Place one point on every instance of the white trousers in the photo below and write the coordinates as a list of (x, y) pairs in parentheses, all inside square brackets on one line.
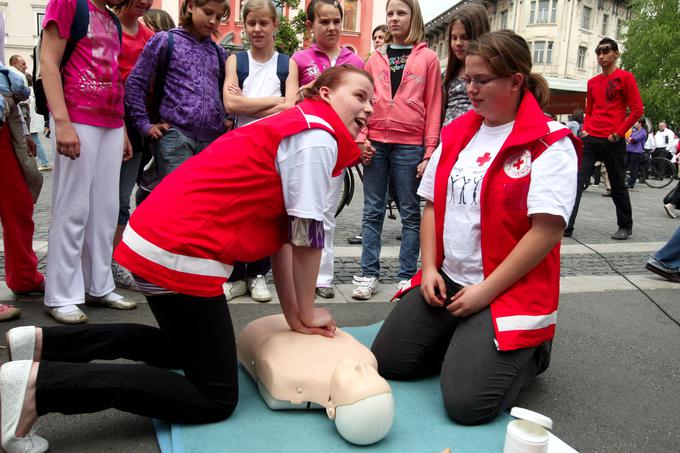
[(325, 278), (84, 217)]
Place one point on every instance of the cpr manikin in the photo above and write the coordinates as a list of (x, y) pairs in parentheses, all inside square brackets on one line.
[(297, 371)]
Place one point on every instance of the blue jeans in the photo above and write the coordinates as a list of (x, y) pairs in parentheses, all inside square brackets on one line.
[(42, 156), (129, 170), (173, 149), (396, 162), (669, 254)]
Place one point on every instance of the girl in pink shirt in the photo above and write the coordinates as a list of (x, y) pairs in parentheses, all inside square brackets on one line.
[(324, 22), (85, 98)]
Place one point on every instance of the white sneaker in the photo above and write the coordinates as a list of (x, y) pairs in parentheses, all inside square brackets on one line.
[(258, 289), (122, 277), (365, 287), (403, 284), (14, 377), (669, 210), (235, 289)]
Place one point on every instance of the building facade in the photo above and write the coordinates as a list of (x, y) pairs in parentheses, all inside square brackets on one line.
[(23, 24), (562, 35), (358, 22)]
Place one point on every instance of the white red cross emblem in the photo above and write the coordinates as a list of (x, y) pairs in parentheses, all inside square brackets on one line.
[(518, 165)]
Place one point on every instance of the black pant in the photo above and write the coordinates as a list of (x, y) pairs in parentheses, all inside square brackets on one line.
[(250, 270), (612, 155), (634, 168), (477, 380), (195, 335)]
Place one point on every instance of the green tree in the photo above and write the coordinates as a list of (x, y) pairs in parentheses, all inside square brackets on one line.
[(651, 53), (290, 32)]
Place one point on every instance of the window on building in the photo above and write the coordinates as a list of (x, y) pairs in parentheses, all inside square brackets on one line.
[(350, 15), (605, 24), (581, 57), (543, 52), (585, 17), (504, 20), (543, 11), (39, 16), (619, 28)]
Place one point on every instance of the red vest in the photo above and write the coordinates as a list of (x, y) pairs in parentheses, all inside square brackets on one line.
[(524, 315), (222, 205)]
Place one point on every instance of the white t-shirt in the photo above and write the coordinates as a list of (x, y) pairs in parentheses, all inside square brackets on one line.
[(262, 81), (552, 191), (664, 139), (305, 162)]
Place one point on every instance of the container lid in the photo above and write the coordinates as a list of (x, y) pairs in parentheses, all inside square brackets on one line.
[(534, 417)]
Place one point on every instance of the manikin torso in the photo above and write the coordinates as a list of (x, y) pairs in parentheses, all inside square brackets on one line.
[(294, 370)]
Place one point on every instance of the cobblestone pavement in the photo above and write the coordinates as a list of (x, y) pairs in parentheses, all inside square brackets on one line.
[(612, 364), (595, 223)]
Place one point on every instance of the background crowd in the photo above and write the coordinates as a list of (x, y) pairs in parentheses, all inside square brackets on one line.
[(158, 95)]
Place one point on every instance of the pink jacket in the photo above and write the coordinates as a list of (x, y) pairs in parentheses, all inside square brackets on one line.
[(413, 116)]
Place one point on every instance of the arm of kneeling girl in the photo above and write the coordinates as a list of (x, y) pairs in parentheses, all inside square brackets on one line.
[(545, 232), (432, 286), (282, 270)]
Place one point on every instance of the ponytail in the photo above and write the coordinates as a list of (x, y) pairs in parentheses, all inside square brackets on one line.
[(538, 86)]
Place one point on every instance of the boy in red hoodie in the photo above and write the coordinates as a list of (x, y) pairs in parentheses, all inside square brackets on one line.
[(609, 95)]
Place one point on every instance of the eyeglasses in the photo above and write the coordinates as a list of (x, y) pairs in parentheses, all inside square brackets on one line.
[(479, 81), (603, 50)]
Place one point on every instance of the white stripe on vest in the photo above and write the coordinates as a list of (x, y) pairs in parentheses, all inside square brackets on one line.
[(525, 322), (181, 263), (316, 119)]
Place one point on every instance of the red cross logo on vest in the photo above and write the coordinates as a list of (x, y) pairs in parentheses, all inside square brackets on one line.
[(518, 165), (481, 160)]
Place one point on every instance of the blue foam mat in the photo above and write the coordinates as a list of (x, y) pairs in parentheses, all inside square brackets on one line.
[(420, 424)]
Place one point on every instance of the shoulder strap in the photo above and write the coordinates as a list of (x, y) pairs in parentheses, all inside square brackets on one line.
[(221, 64), (282, 66), (119, 27), (79, 26), (242, 67)]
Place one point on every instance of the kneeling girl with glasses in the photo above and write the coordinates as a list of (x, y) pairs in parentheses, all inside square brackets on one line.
[(499, 192)]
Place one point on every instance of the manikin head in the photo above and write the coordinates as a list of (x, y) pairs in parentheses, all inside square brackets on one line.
[(361, 402)]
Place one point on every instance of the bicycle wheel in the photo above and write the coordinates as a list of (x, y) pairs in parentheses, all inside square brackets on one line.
[(347, 191), (659, 172)]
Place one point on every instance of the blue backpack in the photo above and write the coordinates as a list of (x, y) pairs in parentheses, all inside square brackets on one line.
[(243, 68), (79, 26)]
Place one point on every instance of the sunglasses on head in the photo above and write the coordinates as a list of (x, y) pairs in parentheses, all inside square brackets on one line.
[(603, 50)]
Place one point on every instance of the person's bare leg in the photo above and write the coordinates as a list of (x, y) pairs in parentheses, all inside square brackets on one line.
[(118, 235), (29, 413), (37, 352)]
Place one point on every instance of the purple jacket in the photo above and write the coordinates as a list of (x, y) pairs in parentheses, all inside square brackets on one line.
[(192, 101), (637, 140)]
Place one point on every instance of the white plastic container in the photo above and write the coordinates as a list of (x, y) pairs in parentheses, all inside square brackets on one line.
[(528, 434)]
